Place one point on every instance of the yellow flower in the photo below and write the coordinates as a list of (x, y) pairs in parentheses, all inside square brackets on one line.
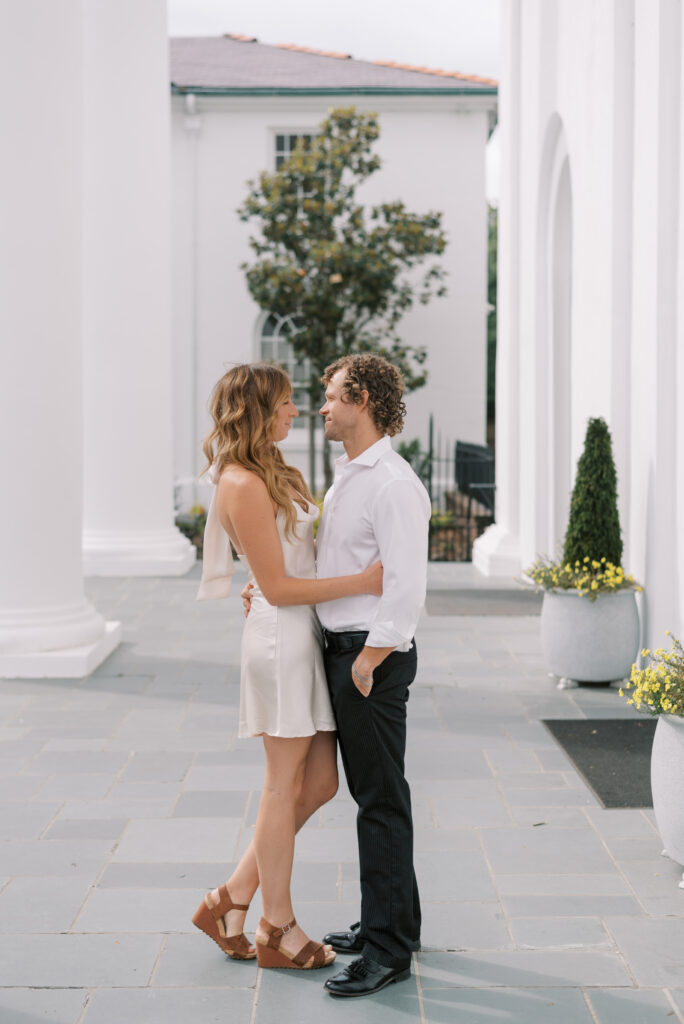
[(594, 585)]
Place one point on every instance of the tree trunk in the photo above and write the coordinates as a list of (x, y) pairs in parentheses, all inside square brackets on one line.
[(312, 444), (327, 464)]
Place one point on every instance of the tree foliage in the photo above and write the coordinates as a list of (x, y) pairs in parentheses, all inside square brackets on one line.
[(594, 523), (492, 244), (343, 272)]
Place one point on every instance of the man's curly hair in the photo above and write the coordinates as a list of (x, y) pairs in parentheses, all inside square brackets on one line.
[(382, 381)]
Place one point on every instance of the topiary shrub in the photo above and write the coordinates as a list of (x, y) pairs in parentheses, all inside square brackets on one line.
[(594, 523)]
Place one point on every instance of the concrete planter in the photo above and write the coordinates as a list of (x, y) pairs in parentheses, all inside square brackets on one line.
[(667, 784), (590, 641)]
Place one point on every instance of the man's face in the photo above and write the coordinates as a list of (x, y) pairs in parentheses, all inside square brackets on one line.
[(341, 415)]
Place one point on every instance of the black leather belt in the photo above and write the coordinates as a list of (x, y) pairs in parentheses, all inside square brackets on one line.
[(344, 641)]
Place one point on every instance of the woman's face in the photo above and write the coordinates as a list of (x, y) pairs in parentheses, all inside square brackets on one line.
[(285, 413)]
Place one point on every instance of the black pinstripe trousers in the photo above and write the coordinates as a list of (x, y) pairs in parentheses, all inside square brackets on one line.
[(372, 738)]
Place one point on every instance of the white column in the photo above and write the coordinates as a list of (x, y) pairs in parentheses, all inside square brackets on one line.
[(128, 501), (47, 627), (654, 471), (621, 256), (678, 625), (497, 551)]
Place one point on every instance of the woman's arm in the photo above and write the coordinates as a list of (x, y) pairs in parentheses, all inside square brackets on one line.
[(244, 504)]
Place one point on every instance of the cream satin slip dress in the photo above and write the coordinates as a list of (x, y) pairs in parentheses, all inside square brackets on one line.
[(283, 691)]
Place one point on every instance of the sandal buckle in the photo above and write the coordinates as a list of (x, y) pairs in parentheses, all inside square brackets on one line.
[(286, 928)]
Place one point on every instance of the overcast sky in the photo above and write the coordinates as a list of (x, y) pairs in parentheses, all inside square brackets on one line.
[(456, 35)]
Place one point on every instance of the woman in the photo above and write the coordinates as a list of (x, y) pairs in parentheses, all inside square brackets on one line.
[(264, 506)]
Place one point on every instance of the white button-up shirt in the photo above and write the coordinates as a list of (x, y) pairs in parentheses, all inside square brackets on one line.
[(376, 509)]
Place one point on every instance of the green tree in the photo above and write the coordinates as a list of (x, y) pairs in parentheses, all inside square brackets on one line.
[(341, 271), (492, 225), (594, 523)]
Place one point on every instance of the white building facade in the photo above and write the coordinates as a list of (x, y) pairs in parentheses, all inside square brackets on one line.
[(237, 106), (591, 258)]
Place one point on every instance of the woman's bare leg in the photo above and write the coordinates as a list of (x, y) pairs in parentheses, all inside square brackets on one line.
[(318, 787), (274, 835), (275, 826)]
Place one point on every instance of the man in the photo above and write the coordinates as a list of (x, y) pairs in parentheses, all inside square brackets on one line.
[(376, 508)]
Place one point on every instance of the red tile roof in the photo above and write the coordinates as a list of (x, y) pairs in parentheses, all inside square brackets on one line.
[(436, 71), (308, 49)]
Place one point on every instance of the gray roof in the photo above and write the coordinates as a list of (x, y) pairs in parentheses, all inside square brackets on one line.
[(239, 64)]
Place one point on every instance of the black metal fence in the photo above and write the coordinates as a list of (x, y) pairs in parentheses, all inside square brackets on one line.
[(460, 479)]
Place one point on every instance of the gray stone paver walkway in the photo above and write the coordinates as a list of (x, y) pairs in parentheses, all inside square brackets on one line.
[(126, 795)]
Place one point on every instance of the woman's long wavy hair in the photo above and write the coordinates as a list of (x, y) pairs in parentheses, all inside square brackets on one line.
[(243, 406)]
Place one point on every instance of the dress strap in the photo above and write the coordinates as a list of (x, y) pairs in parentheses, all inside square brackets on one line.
[(217, 562)]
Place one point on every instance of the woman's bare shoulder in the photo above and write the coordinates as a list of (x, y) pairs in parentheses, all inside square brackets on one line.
[(241, 482)]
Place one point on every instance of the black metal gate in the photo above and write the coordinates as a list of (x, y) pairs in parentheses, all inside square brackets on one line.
[(460, 479)]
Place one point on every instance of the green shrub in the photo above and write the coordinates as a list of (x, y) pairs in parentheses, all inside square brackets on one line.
[(594, 525)]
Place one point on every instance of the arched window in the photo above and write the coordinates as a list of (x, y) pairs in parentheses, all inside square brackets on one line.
[(275, 347)]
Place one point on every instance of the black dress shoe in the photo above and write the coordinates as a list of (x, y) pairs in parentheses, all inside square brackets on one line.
[(346, 942), (362, 977), (349, 942)]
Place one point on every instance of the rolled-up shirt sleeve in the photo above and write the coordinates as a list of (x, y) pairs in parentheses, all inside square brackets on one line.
[(401, 516)]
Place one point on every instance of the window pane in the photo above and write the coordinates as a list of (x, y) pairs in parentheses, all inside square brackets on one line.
[(275, 347), (293, 141), (284, 352), (280, 160), (269, 326), (301, 400), (280, 142)]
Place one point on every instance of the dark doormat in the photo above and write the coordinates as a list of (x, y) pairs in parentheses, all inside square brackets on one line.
[(483, 601), (613, 755)]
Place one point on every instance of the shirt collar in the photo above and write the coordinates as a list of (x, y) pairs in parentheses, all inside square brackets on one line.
[(368, 457)]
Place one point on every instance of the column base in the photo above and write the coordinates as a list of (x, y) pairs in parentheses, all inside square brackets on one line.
[(68, 663), (153, 553), (497, 552)]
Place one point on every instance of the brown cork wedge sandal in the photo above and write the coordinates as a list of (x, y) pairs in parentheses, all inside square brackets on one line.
[(209, 919), (310, 957)]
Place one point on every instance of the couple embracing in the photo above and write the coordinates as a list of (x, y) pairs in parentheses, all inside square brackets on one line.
[(327, 655)]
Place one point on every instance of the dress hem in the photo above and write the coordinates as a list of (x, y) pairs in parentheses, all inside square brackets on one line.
[(286, 735)]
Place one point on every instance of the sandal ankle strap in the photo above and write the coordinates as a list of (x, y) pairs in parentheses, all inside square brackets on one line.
[(225, 903), (275, 932)]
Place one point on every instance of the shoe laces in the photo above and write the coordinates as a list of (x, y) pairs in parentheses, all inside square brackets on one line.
[(359, 968)]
